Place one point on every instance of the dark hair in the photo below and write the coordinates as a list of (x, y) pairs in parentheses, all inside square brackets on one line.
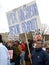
[(1, 38), (31, 41), (17, 41)]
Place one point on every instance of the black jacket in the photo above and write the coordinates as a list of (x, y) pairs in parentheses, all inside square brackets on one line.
[(40, 57)]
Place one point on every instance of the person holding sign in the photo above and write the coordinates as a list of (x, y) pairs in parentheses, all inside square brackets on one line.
[(27, 57), (39, 56)]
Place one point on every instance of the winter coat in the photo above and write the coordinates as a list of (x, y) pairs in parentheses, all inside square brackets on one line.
[(16, 52), (40, 57), (4, 56)]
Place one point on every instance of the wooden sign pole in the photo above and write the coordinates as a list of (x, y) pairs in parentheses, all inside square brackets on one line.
[(28, 46)]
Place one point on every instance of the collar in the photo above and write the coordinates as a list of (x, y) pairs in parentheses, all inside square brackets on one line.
[(38, 49)]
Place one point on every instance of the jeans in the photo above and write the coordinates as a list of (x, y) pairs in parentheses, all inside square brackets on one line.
[(22, 58), (17, 61)]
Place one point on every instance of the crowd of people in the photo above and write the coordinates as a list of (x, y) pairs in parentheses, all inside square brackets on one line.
[(39, 52)]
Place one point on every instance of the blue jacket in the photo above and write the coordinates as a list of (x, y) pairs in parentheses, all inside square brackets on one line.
[(40, 57), (4, 56)]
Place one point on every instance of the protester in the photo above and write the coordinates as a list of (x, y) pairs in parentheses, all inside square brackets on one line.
[(27, 59), (47, 48), (4, 56), (10, 49), (16, 52), (39, 56), (23, 53)]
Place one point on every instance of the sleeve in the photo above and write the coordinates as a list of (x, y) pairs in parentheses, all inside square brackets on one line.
[(20, 50), (8, 58), (46, 58), (0, 57), (8, 62)]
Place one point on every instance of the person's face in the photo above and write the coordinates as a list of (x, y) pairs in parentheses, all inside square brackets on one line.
[(10, 44), (16, 43), (47, 49), (38, 44)]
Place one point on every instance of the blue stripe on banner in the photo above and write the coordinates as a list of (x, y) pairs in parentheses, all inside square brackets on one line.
[(29, 25), (14, 30)]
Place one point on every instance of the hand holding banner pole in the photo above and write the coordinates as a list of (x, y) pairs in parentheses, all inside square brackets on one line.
[(28, 47)]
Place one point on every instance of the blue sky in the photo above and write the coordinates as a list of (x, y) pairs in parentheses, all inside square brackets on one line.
[(7, 5)]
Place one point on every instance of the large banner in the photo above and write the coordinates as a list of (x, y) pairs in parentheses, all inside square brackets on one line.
[(23, 19)]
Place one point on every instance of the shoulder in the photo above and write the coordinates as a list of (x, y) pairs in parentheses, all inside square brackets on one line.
[(33, 51), (45, 54), (2, 47)]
